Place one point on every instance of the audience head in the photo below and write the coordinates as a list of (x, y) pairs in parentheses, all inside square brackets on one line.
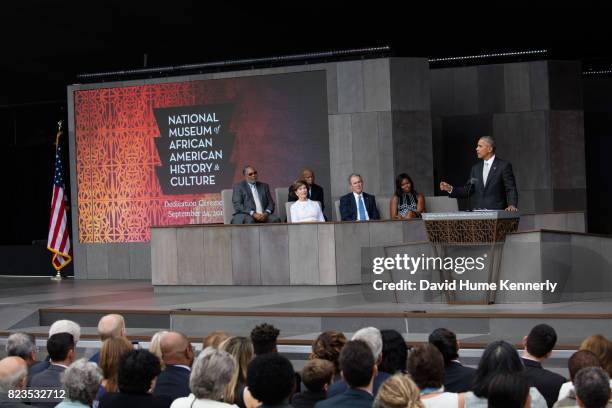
[(581, 359), (270, 378), (445, 341), (372, 337), (318, 374), (22, 345), (602, 348), (61, 348), (508, 390), (214, 339), (241, 349), (81, 381), (212, 371), (112, 351), (137, 371), (264, 337), (357, 364), (308, 176), (498, 358), (328, 346), (394, 352), (398, 391), (404, 185), (356, 183), (111, 325), (155, 345), (66, 326), (426, 366), (249, 173), (540, 341), (592, 385), (13, 373), (176, 349)]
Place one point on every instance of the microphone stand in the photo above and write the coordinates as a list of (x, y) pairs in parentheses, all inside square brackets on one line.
[(470, 184)]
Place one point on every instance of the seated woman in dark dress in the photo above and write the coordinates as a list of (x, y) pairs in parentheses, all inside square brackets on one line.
[(406, 201)]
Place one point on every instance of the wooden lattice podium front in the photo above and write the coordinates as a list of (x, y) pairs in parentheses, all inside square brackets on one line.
[(469, 229)]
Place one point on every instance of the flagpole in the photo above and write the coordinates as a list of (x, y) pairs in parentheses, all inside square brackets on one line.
[(58, 275)]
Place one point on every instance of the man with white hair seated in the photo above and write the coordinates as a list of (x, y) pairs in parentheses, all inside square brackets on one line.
[(22, 345), (60, 326), (372, 337), (13, 376), (109, 326), (81, 381)]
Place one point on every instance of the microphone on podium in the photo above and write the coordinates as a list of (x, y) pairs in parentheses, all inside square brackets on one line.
[(471, 182)]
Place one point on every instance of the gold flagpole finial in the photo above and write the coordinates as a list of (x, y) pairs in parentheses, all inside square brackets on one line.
[(60, 123)]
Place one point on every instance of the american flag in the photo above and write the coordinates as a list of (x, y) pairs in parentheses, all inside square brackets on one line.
[(58, 241)]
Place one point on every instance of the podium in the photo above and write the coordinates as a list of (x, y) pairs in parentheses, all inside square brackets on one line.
[(473, 228)]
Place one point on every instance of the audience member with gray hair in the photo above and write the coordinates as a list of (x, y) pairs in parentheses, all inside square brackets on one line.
[(22, 345), (81, 381), (592, 386), (211, 373), (13, 376), (373, 338)]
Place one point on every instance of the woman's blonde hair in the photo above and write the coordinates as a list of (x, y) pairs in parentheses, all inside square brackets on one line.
[(155, 346), (241, 349), (398, 391), (110, 354), (602, 348)]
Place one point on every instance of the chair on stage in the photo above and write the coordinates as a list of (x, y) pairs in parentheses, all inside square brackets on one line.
[(288, 205), (440, 204), (281, 196), (228, 207)]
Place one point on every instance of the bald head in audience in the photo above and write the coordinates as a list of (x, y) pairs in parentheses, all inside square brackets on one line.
[(111, 326), (176, 349), (13, 373)]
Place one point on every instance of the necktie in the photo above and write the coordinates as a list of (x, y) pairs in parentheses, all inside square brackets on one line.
[(258, 207), (485, 173), (361, 211)]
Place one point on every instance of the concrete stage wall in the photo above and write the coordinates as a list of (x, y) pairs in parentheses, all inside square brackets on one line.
[(325, 254)]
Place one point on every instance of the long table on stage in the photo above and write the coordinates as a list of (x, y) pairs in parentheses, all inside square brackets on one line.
[(271, 254)]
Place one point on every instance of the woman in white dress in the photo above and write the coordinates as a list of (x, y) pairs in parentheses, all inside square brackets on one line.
[(304, 209)]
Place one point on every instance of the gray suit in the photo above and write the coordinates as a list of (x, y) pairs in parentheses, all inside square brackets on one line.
[(244, 203)]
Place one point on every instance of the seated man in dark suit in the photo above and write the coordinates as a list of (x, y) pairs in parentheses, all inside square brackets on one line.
[(271, 380), (315, 191), (491, 185), (538, 347), (357, 205), (252, 200), (61, 349), (177, 354), (457, 377), (358, 369)]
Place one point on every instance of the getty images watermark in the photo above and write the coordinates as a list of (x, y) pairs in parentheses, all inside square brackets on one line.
[(457, 265)]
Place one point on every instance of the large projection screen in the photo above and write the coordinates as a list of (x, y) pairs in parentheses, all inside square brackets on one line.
[(160, 153)]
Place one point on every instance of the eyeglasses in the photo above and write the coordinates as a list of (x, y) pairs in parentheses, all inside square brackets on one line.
[(252, 174)]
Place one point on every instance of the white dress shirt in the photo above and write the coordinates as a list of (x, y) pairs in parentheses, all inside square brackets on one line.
[(486, 168), (357, 197), (258, 206)]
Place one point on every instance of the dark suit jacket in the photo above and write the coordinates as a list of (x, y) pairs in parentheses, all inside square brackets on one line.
[(316, 194), (123, 400), (37, 368), (547, 382), (340, 387), (173, 382), (348, 207), (351, 398), (499, 192), (457, 377), (48, 379), (243, 201), (307, 399)]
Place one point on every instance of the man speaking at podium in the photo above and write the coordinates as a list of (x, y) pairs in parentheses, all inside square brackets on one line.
[(491, 185)]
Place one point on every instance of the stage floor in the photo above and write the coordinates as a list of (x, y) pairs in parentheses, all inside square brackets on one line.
[(30, 304)]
